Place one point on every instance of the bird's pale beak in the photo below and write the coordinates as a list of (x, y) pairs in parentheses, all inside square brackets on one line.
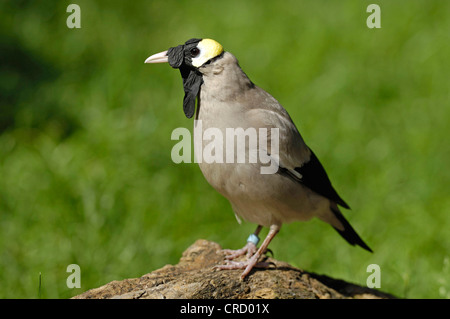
[(160, 57)]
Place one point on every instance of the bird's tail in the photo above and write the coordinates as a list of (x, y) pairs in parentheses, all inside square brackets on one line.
[(348, 233)]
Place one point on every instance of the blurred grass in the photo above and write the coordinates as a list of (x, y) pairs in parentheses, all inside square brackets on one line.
[(85, 169)]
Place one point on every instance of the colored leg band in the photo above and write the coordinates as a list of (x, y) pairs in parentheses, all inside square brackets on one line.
[(253, 239)]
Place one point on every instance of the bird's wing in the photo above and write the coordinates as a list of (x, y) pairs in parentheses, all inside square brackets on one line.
[(313, 175), (295, 158)]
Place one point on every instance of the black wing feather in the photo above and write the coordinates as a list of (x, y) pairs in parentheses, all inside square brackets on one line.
[(349, 234), (315, 178)]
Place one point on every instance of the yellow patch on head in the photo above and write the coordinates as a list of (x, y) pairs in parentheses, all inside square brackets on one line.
[(209, 49), (212, 46)]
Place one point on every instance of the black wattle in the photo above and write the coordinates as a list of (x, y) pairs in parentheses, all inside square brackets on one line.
[(179, 58), (191, 85), (176, 56)]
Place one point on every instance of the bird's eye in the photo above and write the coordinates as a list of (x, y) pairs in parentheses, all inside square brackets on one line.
[(195, 52)]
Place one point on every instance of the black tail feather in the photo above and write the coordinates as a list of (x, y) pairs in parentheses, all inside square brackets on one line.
[(349, 234)]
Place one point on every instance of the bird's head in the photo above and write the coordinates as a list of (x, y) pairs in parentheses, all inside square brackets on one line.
[(189, 58)]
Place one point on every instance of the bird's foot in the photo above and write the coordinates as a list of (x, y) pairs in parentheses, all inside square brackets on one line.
[(247, 265), (249, 249), (252, 253)]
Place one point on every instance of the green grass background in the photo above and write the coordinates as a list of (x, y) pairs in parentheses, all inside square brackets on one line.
[(86, 175)]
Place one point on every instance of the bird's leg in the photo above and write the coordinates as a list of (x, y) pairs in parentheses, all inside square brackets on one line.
[(253, 260), (249, 249)]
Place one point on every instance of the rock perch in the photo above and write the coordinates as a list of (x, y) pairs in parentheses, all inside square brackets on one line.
[(195, 278)]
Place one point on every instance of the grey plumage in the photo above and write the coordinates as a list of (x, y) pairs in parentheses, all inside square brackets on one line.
[(299, 190)]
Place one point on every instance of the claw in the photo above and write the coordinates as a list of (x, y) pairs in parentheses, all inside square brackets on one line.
[(268, 250)]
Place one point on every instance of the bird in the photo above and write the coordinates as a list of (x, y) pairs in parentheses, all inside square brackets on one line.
[(221, 96)]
